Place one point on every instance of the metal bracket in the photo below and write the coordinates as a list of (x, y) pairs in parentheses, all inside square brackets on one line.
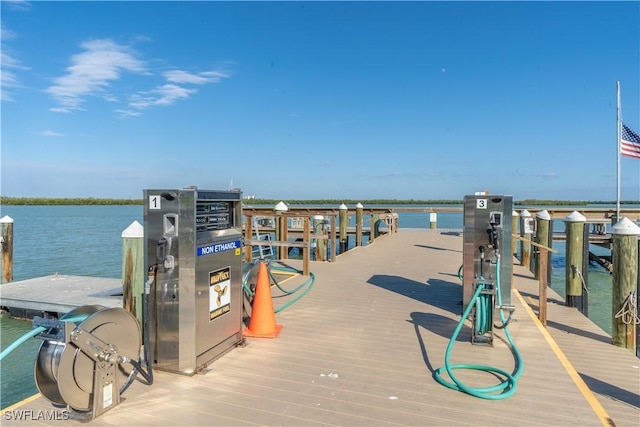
[(106, 389), (57, 330), (98, 350)]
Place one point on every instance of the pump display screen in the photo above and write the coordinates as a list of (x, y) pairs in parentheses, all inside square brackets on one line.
[(213, 215)]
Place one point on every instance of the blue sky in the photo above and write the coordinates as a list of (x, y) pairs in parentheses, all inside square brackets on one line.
[(311, 100)]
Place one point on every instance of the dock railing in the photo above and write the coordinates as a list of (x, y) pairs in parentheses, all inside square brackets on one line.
[(315, 236), (543, 279), (282, 237)]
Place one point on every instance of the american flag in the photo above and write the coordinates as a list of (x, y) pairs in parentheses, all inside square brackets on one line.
[(629, 143)]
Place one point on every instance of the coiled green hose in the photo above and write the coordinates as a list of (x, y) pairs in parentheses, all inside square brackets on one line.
[(507, 387)]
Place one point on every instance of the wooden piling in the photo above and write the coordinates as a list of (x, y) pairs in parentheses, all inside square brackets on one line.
[(6, 240), (585, 269), (515, 220), (133, 269), (359, 208), (574, 225), (433, 220), (544, 279), (543, 284), (278, 231), (373, 228), (248, 231), (344, 219), (281, 229), (332, 238), (526, 233), (542, 237), (321, 244), (624, 254), (306, 250), (284, 236)]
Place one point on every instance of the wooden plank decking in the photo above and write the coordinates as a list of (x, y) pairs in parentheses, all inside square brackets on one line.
[(361, 347)]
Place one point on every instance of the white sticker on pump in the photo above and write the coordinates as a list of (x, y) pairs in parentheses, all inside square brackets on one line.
[(481, 204), (154, 201), (107, 395)]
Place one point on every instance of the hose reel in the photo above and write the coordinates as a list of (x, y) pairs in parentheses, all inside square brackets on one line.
[(87, 358)]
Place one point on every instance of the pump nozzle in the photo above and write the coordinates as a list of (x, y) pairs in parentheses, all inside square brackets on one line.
[(493, 236)]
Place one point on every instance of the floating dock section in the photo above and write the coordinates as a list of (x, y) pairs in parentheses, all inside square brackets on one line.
[(52, 296)]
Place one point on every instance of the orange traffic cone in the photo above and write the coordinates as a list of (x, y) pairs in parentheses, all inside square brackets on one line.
[(263, 317)]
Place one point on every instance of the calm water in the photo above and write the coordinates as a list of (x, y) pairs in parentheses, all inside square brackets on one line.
[(86, 241), (73, 240)]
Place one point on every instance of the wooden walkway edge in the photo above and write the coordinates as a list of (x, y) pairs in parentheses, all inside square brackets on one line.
[(361, 347)]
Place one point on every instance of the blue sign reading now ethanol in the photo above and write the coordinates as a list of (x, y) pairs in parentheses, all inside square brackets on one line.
[(218, 247)]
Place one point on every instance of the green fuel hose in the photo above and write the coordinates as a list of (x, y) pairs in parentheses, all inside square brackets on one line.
[(508, 386), (32, 333), (17, 343), (304, 287)]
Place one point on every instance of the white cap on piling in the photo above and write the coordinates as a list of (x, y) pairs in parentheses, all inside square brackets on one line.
[(342, 206), (281, 207), (515, 213), (135, 229), (544, 214), (6, 220), (525, 213), (318, 217), (575, 216), (625, 227), (359, 206)]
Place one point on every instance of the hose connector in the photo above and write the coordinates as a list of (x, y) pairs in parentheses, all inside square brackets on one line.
[(151, 277), (511, 309)]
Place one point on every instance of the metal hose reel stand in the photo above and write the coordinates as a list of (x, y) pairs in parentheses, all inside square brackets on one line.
[(83, 360)]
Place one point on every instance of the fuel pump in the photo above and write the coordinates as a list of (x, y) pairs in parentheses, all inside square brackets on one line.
[(486, 292), (193, 238), (485, 232)]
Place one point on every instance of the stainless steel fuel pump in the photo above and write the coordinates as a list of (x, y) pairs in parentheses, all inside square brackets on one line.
[(487, 230)]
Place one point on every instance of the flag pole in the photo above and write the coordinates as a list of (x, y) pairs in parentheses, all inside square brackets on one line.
[(618, 153)]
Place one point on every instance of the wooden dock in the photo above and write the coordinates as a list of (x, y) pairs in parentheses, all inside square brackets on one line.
[(361, 347)]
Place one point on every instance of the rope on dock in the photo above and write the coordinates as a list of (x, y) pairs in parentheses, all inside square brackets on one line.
[(584, 284), (628, 313)]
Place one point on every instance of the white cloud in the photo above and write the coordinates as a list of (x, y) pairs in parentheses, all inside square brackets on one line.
[(91, 72), (62, 110), (7, 79), (103, 62), (18, 4), (51, 133), (128, 113), (5, 33), (8, 76), (161, 96), (172, 92), (179, 76)]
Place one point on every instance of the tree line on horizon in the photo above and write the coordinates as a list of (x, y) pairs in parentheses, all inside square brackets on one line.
[(45, 201)]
